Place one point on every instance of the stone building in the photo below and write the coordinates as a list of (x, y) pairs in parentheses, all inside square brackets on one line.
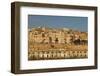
[(51, 43), (46, 35)]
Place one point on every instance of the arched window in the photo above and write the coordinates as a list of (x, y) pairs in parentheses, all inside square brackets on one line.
[(56, 40), (43, 35), (50, 40)]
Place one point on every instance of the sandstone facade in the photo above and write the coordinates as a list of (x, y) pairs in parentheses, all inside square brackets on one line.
[(50, 43), (47, 35)]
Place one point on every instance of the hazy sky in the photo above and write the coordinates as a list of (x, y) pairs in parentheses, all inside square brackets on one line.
[(73, 22)]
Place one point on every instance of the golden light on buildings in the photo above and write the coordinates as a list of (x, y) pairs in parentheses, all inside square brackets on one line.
[(49, 43)]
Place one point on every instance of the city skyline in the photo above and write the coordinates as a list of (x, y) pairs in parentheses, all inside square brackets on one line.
[(72, 22)]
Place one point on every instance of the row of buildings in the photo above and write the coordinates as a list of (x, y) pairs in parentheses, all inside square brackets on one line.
[(50, 35), (52, 43)]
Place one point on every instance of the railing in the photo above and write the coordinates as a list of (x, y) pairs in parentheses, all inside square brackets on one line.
[(56, 54)]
